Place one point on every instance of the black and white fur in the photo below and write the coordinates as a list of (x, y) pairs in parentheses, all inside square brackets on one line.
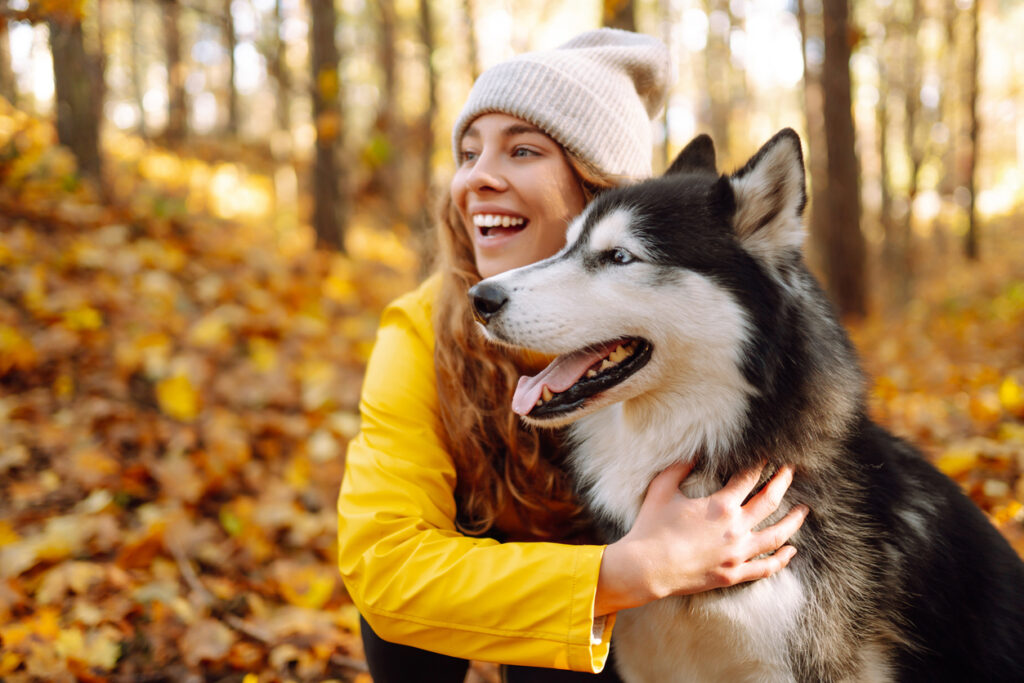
[(898, 576)]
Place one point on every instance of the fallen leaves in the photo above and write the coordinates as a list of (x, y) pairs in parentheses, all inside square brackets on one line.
[(176, 393)]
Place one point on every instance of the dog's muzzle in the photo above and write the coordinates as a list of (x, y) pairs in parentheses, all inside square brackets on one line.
[(487, 300)]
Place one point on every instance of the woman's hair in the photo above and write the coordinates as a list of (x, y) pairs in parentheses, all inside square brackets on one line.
[(502, 467)]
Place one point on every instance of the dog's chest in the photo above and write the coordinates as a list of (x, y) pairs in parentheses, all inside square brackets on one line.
[(736, 635)]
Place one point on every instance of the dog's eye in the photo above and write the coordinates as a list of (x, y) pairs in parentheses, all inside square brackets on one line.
[(620, 256)]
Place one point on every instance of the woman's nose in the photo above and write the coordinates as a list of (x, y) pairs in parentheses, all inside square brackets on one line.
[(486, 174)]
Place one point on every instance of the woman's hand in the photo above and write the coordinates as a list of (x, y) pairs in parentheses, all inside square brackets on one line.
[(681, 545)]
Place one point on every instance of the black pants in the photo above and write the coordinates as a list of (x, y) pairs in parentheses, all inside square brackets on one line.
[(393, 663)]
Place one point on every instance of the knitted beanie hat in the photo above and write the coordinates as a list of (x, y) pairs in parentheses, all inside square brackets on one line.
[(594, 95)]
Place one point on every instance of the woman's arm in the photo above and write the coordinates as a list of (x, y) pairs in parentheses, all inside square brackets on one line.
[(680, 545), (412, 575)]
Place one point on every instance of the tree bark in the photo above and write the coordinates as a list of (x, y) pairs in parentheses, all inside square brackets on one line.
[(77, 98), (231, 42), (971, 247), (817, 158), (619, 14), (469, 25), (177, 109), (845, 248), (329, 212), (279, 71), (8, 84), (137, 70), (429, 116), (715, 113)]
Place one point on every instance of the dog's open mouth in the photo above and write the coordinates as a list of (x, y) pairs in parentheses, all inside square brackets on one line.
[(569, 380)]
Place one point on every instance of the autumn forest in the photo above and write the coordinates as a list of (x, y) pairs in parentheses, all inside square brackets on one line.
[(206, 204)]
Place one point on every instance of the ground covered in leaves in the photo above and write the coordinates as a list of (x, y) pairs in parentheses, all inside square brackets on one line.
[(176, 392)]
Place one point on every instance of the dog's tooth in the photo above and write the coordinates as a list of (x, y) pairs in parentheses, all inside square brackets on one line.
[(546, 394), (605, 364), (618, 354), (591, 373)]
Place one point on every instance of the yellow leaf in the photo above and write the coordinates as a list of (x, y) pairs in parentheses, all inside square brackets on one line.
[(308, 586), (210, 330), (178, 398), (7, 533), (1011, 395), (263, 354), (347, 617), (84, 318), (957, 461), (15, 350)]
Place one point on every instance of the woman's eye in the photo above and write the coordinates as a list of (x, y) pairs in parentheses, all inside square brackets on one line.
[(620, 256), (523, 152), (467, 155)]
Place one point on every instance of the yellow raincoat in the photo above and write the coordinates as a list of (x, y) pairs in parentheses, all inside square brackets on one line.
[(413, 576)]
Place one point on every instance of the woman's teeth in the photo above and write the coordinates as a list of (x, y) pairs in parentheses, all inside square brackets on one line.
[(489, 220)]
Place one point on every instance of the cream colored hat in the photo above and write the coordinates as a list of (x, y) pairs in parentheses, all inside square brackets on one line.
[(594, 95)]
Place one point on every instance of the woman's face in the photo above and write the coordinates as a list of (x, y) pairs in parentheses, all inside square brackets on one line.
[(515, 191)]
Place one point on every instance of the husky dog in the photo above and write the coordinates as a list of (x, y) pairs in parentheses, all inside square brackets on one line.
[(689, 328)]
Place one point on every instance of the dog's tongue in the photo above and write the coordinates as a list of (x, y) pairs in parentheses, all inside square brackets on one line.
[(558, 376)]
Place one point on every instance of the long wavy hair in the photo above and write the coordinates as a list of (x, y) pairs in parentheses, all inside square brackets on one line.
[(509, 477)]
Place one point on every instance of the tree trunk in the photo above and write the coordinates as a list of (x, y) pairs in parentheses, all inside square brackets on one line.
[(427, 124), (717, 77), (77, 95), (817, 159), (469, 26), (846, 251), (329, 212), (619, 14), (231, 42), (971, 248), (903, 274), (279, 71), (137, 70), (386, 136), (8, 84), (177, 109)]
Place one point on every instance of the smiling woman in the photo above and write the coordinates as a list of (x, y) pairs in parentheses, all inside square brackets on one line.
[(515, 192), (460, 536)]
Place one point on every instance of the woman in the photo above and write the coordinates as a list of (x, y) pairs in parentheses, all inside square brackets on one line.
[(458, 532)]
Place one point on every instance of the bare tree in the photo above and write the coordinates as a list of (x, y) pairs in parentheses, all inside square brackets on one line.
[(469, 24), (619, 14), (8, 86), (78, 93), (971, 241), (137, 68), (230, 43), (430, 114), (279, 71), (845, 255), (329, 211), (177, 109), (814, 112)]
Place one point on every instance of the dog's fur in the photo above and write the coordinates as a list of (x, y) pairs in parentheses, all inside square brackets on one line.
[(898, 576)]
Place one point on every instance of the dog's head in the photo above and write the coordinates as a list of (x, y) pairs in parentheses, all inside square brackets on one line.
[(650, 293)]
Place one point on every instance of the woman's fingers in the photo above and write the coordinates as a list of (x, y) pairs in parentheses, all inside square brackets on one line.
[(742, 483), (666, 484), (763, 567), (773, 537), (768, 499)]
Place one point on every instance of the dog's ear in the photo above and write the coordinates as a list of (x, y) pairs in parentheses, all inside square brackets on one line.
[(770, 198), (699, 155)]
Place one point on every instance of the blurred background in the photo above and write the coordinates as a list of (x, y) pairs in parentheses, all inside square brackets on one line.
[(204, 205)]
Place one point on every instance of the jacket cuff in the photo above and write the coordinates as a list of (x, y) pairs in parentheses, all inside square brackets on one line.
[(590, 638)]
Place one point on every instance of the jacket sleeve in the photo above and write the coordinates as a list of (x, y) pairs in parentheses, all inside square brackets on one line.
[(413, 576)]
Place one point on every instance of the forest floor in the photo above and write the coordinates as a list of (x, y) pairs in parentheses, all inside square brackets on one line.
[(176, 392)]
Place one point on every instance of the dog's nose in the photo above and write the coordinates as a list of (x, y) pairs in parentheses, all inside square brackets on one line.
[(487, 300)]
